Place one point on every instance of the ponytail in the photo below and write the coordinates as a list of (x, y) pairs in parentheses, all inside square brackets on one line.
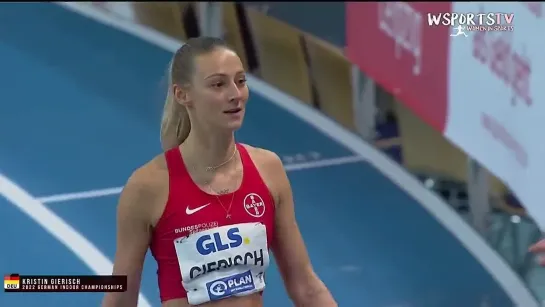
[(175, 123)]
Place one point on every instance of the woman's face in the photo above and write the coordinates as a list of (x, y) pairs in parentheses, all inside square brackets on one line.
[(218, 95)]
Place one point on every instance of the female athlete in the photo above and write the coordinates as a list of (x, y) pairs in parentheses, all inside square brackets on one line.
[(210, 209)]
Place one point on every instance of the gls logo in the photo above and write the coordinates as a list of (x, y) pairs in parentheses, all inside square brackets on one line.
[(210, 244)]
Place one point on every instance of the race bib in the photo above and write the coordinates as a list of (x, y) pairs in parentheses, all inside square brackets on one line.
[(222, 262)]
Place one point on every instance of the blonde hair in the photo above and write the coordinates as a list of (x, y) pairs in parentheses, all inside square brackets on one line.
[(175, 123)]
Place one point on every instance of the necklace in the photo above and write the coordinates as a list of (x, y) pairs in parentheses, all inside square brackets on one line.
[(217, 195), (212, 168), (228, 209), (223, 191)]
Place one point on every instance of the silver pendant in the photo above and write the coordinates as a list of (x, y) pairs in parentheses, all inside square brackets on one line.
[(228, 216)]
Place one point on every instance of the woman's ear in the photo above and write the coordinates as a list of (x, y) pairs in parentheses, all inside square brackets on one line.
[(182, 94)]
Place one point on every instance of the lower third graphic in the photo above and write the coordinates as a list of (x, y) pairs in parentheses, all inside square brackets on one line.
[(231, 285)]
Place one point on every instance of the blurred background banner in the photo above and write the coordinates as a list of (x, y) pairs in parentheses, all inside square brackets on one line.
[(384, 37), (479, 91), (495, 90)]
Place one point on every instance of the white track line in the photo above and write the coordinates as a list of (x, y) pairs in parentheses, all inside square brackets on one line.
[(57, 198), (84, 249), (323, 163)]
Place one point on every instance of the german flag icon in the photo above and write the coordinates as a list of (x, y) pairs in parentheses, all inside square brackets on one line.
[(11, 282)]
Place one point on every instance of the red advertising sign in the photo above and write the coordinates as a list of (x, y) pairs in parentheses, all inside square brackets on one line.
[(392, 43)]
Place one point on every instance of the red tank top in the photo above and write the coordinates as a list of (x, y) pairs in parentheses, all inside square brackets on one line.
[(189, 210)]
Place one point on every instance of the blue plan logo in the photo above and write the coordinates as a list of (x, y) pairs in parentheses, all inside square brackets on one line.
[(231, 285)]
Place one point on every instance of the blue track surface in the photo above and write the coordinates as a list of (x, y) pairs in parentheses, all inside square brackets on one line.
[(79, 110)]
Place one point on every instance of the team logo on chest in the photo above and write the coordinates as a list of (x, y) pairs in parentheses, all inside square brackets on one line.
[(254, 205)]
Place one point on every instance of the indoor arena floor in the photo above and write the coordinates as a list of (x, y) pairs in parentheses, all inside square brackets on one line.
[(80, 107)]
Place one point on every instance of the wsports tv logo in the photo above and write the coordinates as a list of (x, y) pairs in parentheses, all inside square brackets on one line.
[(473, 21)]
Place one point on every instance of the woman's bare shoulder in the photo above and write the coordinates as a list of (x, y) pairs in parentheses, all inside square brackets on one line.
[(263, 158), (270, 168), (148, 182), (151, 174)]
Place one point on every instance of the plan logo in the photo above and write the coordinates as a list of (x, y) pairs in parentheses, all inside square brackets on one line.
[(463, 23), (231, 285)]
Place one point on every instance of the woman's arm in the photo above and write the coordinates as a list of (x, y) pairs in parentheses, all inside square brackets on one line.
[(302, 284), (133, 236)]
